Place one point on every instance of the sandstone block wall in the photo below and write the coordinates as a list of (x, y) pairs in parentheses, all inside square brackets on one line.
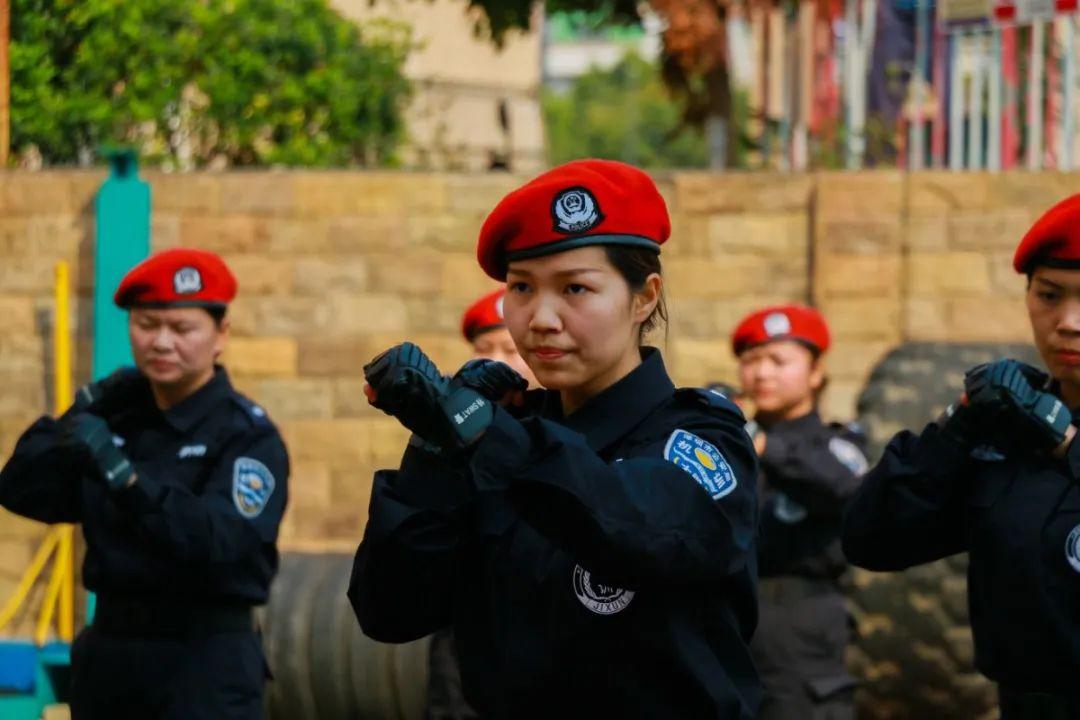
[(336, 266)]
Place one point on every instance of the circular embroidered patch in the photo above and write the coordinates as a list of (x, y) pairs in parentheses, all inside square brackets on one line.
[(1072, 548), (575, 210), (600, 598)]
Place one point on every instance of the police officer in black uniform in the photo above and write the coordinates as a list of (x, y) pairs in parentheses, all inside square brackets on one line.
[(180, 484), (809, 469), (593, 547), (998, 476)]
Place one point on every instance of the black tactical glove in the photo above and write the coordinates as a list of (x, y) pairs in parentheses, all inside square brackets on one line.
[(494, 380), (94, 435), (92, 393), (1006, 389), (404, 383), (961, 424)]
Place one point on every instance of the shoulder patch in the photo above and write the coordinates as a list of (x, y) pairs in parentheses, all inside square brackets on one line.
[(253, 484), (849, 455), (703, 461)]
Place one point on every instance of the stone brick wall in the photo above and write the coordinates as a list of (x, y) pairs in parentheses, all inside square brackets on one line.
[(336, 266)]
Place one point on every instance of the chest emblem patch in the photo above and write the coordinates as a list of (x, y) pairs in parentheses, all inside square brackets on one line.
[(1072, 548), (703, 461), (253, 484), (787, 510), (596, 596)]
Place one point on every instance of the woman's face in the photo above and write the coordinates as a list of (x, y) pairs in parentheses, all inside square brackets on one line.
[(1053, 304), (781, 378), (498, 345), (574, 319), (176, 347)]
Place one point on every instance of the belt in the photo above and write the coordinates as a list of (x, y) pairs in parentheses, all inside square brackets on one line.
[(147, 617), (789, 588), (1020, 705)]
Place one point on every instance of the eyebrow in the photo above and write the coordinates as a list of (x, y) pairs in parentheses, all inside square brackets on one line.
[(1051, 283)]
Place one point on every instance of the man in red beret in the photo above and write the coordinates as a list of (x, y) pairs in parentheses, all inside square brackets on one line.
[(996, 477), (180, 484), (809, 469)]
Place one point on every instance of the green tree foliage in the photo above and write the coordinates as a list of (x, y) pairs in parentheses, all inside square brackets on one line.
[(622, 114), (206, 82)]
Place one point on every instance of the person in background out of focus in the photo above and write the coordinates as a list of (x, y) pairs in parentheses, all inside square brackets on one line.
[(809, 469), (484, 328)]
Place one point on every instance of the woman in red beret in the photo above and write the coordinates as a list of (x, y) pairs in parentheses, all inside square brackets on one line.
[(809, 469), (997, 477), (593, 544), (179, 482)]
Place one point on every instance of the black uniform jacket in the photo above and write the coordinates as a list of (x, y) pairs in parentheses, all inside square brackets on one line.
[(201, 521), (598, 563), (809, 470), (1017, 516)]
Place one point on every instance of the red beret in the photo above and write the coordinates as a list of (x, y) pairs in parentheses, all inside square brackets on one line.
[(585, 202), (182, 277), (1054, 239), (782, 322), (484, 314)]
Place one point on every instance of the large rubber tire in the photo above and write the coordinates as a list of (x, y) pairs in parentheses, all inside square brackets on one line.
[(324, 666), (289, 635), (331, 623), (914, 653)]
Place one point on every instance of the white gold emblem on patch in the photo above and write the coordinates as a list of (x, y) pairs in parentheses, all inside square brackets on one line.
[(253, 484), (596, 596), (575, 210), (187, 281), (777, 324), (703, 461), (1072, 548)]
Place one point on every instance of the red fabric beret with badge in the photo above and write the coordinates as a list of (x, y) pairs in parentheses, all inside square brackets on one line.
[(782, 322), (484, 314), (581, 203), (181, 277), (1053, 240)]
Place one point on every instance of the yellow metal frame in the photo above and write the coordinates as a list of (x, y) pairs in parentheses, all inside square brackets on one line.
[(60, 591)]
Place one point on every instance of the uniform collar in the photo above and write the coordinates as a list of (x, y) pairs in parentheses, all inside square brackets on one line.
[(803, 422), (616, 411), (187, 413)]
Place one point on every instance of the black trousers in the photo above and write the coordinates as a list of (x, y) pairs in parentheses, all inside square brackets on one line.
[(219, 676), (799, 646)]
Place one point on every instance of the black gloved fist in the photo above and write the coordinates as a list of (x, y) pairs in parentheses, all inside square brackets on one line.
[(962, 424), (492, 379), (94, 435), (1008, 389), (119, 381), (404, 383)]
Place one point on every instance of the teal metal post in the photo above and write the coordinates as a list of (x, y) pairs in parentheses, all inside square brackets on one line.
[(122, 241)]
